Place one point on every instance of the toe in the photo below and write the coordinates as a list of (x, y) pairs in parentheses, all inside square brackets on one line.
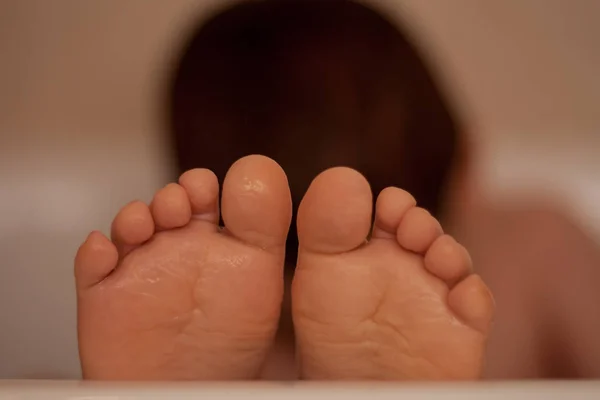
[(472, 302), (95, 259), (256, 203), (171, 207), (448, 260), (392, 204), (418, 230), (335, 213), (132, 226), (202, 187)]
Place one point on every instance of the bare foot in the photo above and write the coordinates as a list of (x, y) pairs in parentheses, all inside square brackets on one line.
[(403, 306), (173, 296)]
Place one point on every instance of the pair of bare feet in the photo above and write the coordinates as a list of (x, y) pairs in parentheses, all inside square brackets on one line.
[(173, 296)]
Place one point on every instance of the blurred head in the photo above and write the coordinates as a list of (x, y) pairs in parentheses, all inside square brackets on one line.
[(312, 84)]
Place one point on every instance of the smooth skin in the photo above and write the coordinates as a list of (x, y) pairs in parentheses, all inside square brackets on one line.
[(402, 306), (173, 296)]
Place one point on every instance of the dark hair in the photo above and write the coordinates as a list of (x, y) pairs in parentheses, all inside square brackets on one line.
[(312, 84)]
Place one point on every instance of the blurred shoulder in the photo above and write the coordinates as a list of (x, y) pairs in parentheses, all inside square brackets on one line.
[(541, 230), (543, 268)]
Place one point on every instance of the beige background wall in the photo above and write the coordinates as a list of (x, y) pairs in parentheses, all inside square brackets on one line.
[(80, 127)]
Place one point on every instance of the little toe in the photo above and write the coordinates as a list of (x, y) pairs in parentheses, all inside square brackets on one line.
[(95, 259), (256, 203), (132, 226), (202, 187), (473, 303), (392, 204), (335, 213), (418, 230), (171, 207), (448, 260)]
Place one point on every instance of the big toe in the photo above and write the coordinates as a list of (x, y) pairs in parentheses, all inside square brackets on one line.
[(256, 202), (335, 214)]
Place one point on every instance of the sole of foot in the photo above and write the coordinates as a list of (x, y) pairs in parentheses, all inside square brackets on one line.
[(403, 305), (173, 296)]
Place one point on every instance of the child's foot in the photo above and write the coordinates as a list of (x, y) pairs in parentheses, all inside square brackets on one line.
[(402, 306), (173, 296)]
